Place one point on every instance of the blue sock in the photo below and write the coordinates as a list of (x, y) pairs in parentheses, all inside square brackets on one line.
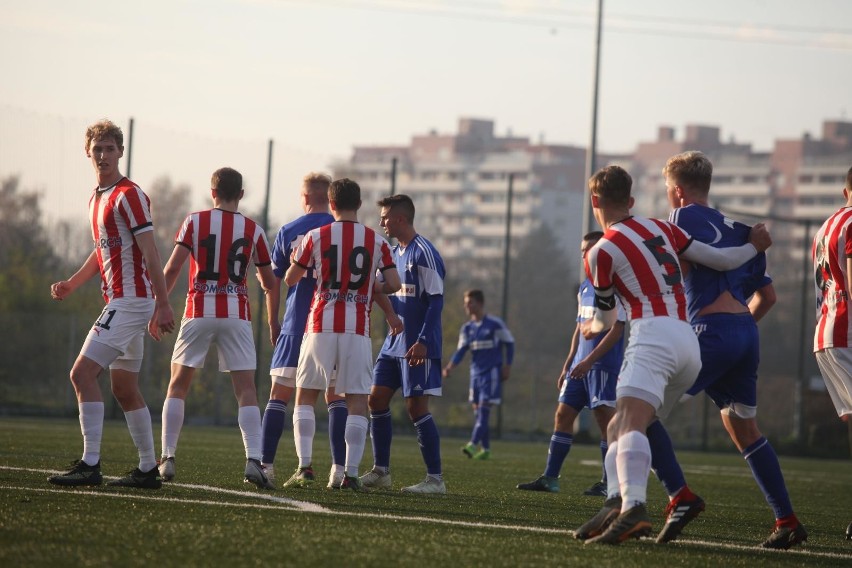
[(430, 443), (604, 448), (560, 445), (381, 434), (337, 414), (766, 470), (481, 432), (663, 459), (272, 426)]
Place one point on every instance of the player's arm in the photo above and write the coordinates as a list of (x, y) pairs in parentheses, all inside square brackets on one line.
[(762, 301), (391, 282), (273, 304), (458, 355), (62, 289), (163, 319), (848, 283), (394, 321), (172, 270), (575, 342), (416, 354), (294, 274), (606, 313), (506, 369), (609, 340), (723, 259)]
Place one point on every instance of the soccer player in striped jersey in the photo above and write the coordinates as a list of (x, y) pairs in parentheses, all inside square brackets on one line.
[(336, 351), (487, 337), (724, 308), (832, 258), (637, 260), (219, 243), (587, 380), (410, 360), (125, 255)]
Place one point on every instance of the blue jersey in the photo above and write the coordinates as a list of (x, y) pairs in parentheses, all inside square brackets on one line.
[(611, 360), (298, 302), (420, 300), (486, 340), (703, 284)]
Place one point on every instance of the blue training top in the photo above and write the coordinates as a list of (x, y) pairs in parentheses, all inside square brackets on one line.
[(486, 340), (420, 300), (703, 285), (299, 296)]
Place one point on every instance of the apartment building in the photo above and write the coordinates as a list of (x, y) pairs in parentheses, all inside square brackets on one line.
[(460, 186)]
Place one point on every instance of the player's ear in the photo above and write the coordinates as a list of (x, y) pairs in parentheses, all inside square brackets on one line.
[(595, 201), (630, 202)]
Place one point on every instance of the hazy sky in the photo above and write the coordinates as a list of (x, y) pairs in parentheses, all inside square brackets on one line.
[(209, 81)]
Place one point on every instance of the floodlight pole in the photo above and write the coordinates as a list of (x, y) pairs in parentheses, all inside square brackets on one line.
[(261, 297), (591, 152), (506, 261)]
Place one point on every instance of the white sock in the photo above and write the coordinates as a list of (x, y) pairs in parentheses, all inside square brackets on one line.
[(92, 427), (634, 466), (356, 439), (139, 424), (304, 428), (248, 418), (612, 488), (172, 424)]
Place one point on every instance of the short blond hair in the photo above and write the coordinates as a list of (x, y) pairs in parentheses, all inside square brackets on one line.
[(104, 129), (691, 170)]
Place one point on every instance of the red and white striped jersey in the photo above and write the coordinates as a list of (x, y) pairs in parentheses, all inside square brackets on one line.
[(639, 257), (832, 246), (346, 256), (222, 245), (117, 214)]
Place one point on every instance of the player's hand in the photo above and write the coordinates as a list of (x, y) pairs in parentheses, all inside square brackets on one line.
[(163, 321), (586, 330), (445, 372), (416, 355), (505, 370), (560, 381), (395, 324), (759, 237), (60, 290), (580, 370), (274, 332)]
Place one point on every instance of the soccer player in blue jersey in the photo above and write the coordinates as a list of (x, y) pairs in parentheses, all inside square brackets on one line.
[(487, 337), (587, 379), (724, 308), (286, 336), (410, 360)]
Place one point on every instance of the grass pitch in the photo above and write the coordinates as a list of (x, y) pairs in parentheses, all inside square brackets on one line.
[(208, 517)]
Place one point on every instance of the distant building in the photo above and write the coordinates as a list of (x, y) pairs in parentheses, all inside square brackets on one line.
[(459, 183), (797, 183)]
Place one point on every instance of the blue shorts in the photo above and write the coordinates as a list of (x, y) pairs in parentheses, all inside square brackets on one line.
[(395, 372), (730, 354), (486, 387), (597, 388), (285, 356)]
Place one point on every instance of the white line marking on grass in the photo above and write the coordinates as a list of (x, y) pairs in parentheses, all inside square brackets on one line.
[(307, 507), (299, 505)]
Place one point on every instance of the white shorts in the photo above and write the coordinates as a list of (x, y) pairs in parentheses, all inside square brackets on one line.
[(350, 353), (835, 364), (233, 339), (661, 362), (116, 339)]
